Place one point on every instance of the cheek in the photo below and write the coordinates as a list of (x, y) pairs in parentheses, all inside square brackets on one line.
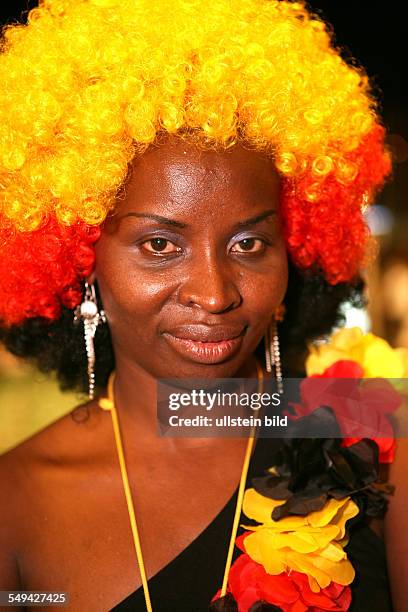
[(265, 291), (132, 296)]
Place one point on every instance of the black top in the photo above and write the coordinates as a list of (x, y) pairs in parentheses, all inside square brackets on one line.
[(190, 581)]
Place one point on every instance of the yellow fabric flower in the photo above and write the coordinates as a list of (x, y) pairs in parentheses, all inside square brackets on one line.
[(374, 354), (311, 544)]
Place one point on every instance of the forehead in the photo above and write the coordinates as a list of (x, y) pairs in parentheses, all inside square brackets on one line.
[(176, 177)]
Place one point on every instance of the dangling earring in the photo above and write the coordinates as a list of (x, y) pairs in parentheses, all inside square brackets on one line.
[(88, 313), (272, 351)]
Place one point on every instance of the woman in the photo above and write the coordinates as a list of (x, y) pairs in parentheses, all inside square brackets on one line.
[(173, 156)]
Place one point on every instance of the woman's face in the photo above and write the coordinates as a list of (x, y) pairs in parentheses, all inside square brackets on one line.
[(193, 263)]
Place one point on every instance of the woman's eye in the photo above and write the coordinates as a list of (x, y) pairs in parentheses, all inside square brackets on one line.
[(160, 246), (248, 245)]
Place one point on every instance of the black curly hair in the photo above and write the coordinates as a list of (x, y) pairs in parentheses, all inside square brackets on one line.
[(313, 308)]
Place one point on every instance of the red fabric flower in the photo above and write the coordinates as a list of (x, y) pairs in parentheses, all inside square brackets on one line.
[(250, 583), (360, 406)]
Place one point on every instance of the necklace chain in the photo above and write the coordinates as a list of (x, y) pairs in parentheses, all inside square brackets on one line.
[(108, 403)]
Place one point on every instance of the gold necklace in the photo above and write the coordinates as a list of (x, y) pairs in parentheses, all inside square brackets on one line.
[(108, 403)]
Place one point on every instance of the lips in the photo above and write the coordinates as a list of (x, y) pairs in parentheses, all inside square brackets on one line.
[(206, 344), (207, 333)]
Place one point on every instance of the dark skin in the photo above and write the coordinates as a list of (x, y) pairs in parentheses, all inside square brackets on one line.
[(221, 262)]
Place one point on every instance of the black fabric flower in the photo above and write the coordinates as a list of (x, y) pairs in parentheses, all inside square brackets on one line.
[(224, 604), (264, 606), (307, 471), (228, 604)]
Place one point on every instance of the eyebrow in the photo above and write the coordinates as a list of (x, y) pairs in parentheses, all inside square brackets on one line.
[(158, 218), (254, 220), (173, 223)]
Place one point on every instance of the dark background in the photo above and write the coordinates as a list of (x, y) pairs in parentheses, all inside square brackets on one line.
[(372, 34)]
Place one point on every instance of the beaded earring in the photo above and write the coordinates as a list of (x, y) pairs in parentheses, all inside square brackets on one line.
[(272, 350), (91, 316)]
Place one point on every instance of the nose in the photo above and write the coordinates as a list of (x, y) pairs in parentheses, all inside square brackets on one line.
[(210, 286)]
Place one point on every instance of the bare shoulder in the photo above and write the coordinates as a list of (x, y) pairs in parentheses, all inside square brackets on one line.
[(30, 474), (55, 442), (63, 444)]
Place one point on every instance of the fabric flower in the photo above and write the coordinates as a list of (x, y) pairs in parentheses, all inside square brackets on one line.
[(307, 471), (253, 589), (223, 604), (373, 354), (311, 544), (361, 406)]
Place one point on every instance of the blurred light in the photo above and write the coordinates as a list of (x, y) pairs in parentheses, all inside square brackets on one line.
[(379, 219), (355, 317)]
